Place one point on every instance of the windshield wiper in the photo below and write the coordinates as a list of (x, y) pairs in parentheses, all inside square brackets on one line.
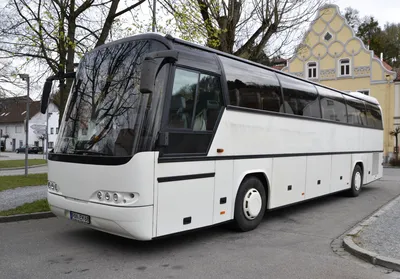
[(88, 152)]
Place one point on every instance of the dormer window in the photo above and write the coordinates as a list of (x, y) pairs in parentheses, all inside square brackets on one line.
[(312, 70), (344, 67), (328, 36)]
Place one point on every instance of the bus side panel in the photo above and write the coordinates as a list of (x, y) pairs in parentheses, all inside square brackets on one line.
[(318, 176), (223, 194), (341, 176), (185, 198), (249, 166), (359, 158), (288, 181)]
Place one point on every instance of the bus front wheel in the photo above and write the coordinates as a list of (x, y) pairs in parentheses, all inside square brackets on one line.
[(250, 204), (356, 182)]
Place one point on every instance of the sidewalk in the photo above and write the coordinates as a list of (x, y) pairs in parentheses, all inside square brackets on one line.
[(15, 197), (377, 239)]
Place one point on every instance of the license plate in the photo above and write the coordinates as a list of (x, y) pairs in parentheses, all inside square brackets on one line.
[(82, 218)]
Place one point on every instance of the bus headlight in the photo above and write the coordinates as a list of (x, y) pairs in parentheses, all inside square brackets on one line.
[(52, 186), (116, 198), (107, 196)]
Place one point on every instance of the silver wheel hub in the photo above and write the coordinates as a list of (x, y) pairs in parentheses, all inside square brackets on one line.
[(357, 181), (252, 204)]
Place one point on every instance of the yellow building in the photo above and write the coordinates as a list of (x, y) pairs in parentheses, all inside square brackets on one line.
[(332, 55)]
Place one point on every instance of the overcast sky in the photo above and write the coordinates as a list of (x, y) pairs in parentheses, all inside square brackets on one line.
[(382, 10)]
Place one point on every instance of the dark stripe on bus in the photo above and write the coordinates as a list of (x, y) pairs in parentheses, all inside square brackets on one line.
[(256, 156), (280, 114), (185, 177)]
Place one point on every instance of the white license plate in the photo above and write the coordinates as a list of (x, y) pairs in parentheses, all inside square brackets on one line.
[(82, 218)]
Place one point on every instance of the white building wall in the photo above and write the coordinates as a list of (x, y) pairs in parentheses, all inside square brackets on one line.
[(18, 134), (396, 103)]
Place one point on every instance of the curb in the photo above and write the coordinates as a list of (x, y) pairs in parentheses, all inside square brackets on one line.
[(23, 217), (368, 256), (21, 168)]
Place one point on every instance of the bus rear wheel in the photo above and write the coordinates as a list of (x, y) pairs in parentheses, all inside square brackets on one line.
[(250, 204), (356, 182)]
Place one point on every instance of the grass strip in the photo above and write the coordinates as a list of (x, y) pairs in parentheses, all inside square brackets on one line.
[(20, 163), (32, 207), (15, 181)]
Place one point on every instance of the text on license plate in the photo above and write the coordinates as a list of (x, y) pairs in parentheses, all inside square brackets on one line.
[(82, 218)]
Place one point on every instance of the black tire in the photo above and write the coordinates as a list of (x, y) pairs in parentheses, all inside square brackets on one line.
[(354, 191), (241, 222), (17, 151)]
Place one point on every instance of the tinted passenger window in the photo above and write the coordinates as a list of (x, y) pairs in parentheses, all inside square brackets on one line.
[(252, 87), (182, 100), (355, 111), (195, 102), (300, 98), (374, 116), (333, 106)]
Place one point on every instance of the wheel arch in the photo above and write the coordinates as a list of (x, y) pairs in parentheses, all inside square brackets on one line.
[(361, 164), (262, 176)]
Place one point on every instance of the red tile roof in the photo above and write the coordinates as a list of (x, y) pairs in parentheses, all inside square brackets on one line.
[(12, 109), (386, 65), (398, 75), (278, 67)]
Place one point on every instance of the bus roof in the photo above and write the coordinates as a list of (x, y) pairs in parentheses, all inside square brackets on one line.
[(365, 97), (208, 49)]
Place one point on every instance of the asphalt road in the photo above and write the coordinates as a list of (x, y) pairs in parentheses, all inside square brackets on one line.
[(22, 171), (19, 156), (291, 243)]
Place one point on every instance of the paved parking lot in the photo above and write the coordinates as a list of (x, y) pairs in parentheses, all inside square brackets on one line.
[(294, 242), (19, 156)]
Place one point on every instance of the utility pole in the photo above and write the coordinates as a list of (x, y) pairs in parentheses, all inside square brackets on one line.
[(154, 16), (25, 77), (48, 114)]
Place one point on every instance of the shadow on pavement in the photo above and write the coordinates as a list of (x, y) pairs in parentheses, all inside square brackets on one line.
[(223, 232)]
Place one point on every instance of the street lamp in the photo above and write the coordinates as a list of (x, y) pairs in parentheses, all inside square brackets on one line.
[(25, 77)]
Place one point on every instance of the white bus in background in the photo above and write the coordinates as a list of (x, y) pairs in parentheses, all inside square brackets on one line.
[(161, 136)]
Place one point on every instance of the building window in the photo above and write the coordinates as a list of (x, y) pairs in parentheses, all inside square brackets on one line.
[(50, 144), (328, 36), (18, 129), (364, 91), (1, 133), (57, 131), (21, 143), (51, 131), (36, 143), (344, 67), (312, 69)]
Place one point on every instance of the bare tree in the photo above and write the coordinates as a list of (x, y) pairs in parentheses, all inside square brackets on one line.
[(240, 27), (53, 34), (8, 80), (395, 133)]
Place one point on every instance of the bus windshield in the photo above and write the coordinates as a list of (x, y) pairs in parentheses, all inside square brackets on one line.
[(106, 114)]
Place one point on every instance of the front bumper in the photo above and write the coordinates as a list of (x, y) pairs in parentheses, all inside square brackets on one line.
[(130, 222)]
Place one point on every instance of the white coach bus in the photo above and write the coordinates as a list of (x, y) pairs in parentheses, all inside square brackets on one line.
[(161, 136)]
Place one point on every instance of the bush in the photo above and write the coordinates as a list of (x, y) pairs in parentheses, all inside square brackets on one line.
[(394, 162)]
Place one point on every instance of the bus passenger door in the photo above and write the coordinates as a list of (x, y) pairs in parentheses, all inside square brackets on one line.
[(185, 176)]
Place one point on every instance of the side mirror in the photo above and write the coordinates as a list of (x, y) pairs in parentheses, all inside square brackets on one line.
[(45, 96), (151, 68), (47, 89), (163, 139)]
